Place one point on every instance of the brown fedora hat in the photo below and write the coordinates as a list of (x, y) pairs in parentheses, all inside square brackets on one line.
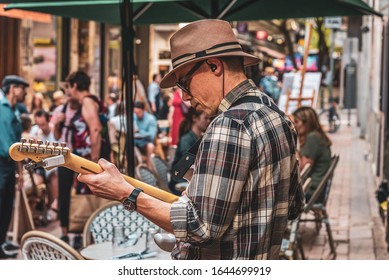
[(201, 40)]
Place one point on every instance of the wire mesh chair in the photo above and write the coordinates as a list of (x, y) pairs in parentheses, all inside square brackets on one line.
[(99, 227), (305, 172), (318, 208), (39, 245), (144, 174), (171, 154), (161, 170)]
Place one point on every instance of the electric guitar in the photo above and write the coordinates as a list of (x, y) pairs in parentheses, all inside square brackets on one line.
[(50, 156)]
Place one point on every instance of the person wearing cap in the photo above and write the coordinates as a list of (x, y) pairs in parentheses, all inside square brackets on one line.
[(10, 171), (245, 182), (58, 98)]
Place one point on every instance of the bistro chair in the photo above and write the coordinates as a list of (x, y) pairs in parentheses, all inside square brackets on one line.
[(99, 227), (171, 154), (144, 174), (39, 245), (161, 170), (318, 208), (291, 246), (305, 172)]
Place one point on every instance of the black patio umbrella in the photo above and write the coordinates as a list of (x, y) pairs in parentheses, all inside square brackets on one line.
[(173, 11), (127, 13)]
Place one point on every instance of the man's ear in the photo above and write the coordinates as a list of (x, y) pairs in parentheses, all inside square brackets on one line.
[(215, 65)]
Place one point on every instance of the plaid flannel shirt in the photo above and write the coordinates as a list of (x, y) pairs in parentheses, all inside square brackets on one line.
[(244, 186)]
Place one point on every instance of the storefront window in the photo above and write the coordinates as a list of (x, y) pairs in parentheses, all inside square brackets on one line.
[(44, 56), (38, 58)]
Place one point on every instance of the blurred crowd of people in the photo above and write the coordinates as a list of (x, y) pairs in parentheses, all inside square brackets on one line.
[(162, 121)]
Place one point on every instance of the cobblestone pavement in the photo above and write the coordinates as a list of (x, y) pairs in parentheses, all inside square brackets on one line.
[(357, 228), (353, 210)]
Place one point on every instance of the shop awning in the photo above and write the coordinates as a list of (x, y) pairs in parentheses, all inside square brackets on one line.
[(174, 11)]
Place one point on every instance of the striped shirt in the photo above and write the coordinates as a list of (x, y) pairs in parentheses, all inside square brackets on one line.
[(244, 186)]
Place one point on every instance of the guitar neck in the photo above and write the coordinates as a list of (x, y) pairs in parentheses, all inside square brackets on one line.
[(84, 166)]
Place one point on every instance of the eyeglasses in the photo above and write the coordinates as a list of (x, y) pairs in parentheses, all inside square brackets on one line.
[(184, 83)]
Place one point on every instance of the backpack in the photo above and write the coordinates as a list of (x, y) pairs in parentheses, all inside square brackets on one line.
[(79, 138)]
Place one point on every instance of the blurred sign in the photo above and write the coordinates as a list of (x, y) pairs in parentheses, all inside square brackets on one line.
[(333, 22), (40, 17)]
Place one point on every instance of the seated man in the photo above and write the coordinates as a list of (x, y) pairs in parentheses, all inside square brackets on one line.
[(43, 130), (147, 130)]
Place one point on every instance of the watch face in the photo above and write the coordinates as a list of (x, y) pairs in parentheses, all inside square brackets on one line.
[(129, 205)]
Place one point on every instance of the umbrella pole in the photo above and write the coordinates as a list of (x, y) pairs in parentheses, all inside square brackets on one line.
[(128, 72)]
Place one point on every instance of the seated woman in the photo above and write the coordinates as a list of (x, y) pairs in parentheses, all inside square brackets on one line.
[(314, 147), (191, 128)]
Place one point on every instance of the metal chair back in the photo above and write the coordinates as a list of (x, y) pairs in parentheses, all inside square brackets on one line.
[(39, 245), (305, 172), (161, 170), (324, 186), (144, 174), (99, 227)]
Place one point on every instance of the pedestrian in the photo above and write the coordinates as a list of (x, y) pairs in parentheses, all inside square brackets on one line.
[(85, 126), (146, 133), (111, 102), (191, 129), (14, 88), (62, 116), (44, 130), (154, 94), (270, 85), (245, 180), (59, 98), (176, 115)]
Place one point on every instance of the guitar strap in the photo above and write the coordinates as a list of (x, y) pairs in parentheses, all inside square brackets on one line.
[(183, 165)]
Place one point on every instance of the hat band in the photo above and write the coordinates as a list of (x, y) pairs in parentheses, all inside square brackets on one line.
[(217, 49)]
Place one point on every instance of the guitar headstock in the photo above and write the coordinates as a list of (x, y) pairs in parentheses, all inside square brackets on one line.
[(37, 150)]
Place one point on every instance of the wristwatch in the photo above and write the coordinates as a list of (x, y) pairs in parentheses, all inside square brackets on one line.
[(130, 202)]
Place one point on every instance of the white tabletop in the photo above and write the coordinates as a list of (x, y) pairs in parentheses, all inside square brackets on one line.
[(106, 251)]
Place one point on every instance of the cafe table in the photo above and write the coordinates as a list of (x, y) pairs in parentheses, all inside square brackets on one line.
[(107, 251)]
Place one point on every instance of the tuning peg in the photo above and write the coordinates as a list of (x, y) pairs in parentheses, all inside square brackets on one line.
[(39, 142), (47, 143), (55, 144), (63, 144), (31, 141), (23, 140)]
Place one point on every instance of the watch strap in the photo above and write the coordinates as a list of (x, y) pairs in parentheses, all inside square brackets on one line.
[(134, 195)]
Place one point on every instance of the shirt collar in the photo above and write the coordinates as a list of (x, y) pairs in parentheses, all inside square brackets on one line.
[(235, 94), (4, 101)]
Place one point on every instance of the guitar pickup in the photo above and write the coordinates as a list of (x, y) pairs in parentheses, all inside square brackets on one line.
[(46, 163)]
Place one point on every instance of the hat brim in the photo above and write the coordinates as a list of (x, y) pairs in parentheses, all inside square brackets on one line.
[(170, 79)]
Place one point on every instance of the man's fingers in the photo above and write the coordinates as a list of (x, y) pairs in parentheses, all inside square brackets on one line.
[(86, 178), (105, 164)]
